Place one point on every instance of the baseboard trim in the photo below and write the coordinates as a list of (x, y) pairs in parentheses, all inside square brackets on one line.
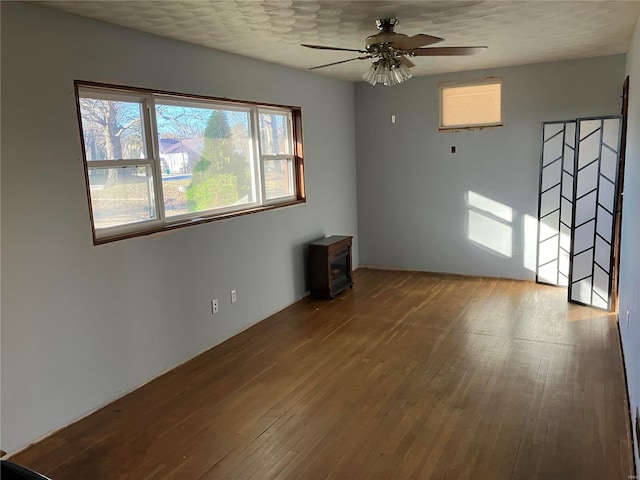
[(634, 473)]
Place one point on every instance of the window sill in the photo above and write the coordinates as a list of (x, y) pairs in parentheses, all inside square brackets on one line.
[(158, 230), (468, 129)]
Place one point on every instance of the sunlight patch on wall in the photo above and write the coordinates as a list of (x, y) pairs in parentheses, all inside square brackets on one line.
[(529, 240), (487, 205), (489, 224)]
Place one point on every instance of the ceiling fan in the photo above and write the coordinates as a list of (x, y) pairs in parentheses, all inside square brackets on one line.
[(391, 52)]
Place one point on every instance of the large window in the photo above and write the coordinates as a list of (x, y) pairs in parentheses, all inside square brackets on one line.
[(471, 105), (156, 161)]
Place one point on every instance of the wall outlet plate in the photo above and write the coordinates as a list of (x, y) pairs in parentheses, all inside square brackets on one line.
[(214, 306)]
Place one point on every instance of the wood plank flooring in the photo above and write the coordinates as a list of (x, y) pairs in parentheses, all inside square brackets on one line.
[(408, 375)]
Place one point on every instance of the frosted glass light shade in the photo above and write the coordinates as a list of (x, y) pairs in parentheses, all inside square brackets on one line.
[(388, 71)]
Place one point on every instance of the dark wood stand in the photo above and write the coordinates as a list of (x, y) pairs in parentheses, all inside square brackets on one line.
[(330, 266)]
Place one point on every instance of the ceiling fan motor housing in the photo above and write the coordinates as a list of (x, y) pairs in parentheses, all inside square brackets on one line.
[(380, 41), (387, 24)]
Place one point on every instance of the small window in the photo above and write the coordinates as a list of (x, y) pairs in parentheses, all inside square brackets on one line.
[(156, 161), (471, 105)]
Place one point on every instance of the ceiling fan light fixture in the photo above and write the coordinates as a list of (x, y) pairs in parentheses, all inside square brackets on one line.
[(401, 72), (369, 75), (383, 72), (391, 51), (388, 71)]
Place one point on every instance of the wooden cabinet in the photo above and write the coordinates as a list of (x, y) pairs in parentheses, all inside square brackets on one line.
[(330, 266)]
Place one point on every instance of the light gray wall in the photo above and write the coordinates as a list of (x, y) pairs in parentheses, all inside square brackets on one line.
[(412, 191), (629, 259), (82, 325)]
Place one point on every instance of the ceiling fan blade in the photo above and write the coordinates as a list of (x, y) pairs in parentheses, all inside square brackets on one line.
[(420, 40), (447, 51), (342, 61), (406, 62), (322, 47)]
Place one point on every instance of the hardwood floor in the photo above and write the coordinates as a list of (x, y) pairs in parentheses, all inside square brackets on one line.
[(408, 375)]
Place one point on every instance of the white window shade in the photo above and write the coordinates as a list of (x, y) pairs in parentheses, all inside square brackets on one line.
[(471, 105)]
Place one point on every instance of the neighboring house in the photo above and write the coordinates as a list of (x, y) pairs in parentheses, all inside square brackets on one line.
[(180, 155)]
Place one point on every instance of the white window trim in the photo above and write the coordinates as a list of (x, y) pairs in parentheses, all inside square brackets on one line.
[(147, 126), (286, 156), (276, 200)]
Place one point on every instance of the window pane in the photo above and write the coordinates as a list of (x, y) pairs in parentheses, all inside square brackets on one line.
[(471, 105), (121, 195), (278, 178), (112, 130), (275, 135), (205, 156)]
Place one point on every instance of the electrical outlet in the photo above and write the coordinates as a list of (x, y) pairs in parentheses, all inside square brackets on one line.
[(516, 250), (627, 318), (234, 297), (214, 306)]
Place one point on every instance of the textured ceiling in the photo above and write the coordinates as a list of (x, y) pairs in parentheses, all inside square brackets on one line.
[(516, 32)]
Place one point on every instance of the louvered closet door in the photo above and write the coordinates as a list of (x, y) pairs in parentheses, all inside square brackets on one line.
[(555, 202), (595, 191)]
